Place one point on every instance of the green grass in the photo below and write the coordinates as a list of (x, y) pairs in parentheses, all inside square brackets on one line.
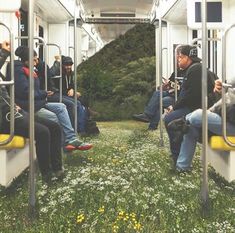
[(124, 184)]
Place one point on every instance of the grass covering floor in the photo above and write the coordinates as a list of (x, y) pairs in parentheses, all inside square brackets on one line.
[(124, 184)]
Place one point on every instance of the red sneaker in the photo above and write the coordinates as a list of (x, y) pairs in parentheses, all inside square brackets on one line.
[(85, 146), (77, 145)]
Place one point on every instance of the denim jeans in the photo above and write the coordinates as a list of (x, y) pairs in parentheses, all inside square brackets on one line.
[(60, 111), (178, 113), (189, 143), (81, 110), (152, 109), (70, 106)]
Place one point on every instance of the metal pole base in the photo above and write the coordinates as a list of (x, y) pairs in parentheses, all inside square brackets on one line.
[(205, 205), (161, 142)]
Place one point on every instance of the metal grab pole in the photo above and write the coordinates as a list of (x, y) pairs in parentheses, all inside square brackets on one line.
[(12, 88), (224, 47), (176, 74), (159, 75), (204, 185), (75, 68), (60, 74), (32, 185)]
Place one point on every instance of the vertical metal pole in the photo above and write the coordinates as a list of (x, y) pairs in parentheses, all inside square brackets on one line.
[(32, 188), (75, 66), (159, 75), (12, 87), (224, 66), (45, 64), (176, 74), (19, 30), (204, 187)]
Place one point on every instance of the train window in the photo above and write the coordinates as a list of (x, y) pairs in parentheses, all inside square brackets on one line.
[(214, 14)]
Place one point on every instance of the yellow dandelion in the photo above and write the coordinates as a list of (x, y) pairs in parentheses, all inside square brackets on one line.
[(80, 218), (115, 228), (121, 213), (101, 209), (133, 215), (137, 226)]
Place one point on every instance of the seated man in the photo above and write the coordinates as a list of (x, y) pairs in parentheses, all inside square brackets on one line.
[(193, 125), (68, 92), (41, 105), (152, 110), (47, 133), (190, 95)]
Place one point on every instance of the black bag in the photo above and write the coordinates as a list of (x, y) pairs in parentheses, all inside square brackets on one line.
[(91, 127)]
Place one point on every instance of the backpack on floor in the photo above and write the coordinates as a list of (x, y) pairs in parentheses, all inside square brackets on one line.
[(91, 127)]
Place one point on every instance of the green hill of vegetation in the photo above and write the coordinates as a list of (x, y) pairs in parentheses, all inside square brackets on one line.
[(119, 79)]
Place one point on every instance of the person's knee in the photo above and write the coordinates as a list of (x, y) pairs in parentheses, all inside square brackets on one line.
[(195, 117), (167, 119)]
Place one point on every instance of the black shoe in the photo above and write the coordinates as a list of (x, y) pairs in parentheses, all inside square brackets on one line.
[(180, 170), (59, 174), (174, 160), (141, 117), (179, 125), (47, 177)]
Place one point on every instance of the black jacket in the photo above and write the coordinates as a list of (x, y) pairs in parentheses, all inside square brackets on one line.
[(191, 89), (67, 79)]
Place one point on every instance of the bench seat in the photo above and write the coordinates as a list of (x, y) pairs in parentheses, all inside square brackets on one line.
[(218, 143), (14, 159), (17, 142), (222, 157)]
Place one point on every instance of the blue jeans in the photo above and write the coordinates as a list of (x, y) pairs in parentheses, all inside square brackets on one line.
[(60, 112), (178, 113), (81, 110), (190, 139), (153, 107)]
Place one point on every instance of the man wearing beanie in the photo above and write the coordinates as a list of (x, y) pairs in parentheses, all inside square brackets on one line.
[(68, 92), (190, 95), (53, 111)]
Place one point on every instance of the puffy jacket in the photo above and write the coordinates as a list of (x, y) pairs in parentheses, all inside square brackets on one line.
[(22, 88)]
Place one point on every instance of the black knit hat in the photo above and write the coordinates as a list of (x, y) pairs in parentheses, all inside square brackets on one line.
[(67, 60), (190, 51), (23, 53)]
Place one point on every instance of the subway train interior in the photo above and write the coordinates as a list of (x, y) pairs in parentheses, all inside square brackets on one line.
[(177, 176)]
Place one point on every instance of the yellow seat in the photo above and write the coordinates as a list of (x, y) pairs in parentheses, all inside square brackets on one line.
[(218, 143), (16, 143)]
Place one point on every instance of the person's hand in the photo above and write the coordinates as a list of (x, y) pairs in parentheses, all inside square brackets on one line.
[(218, 86), (17, 108), (50, 93), (6, 45), (169, 109), (70, 92)]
